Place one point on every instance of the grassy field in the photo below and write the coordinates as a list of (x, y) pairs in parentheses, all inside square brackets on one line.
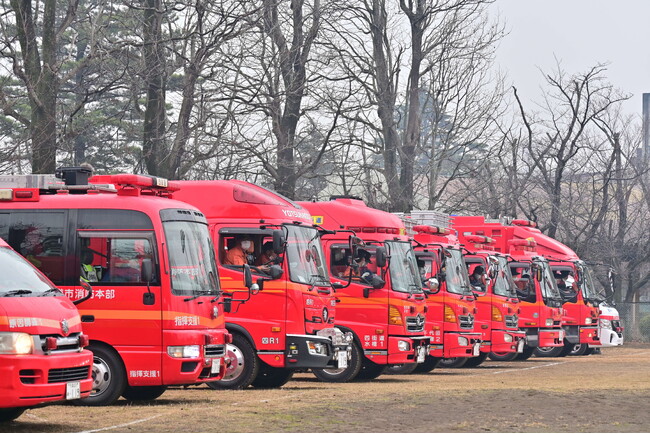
[(607, 392)]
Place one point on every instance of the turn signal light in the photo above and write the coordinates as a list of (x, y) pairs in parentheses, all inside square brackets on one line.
[(450, 316), (496, 314), (394, 317)]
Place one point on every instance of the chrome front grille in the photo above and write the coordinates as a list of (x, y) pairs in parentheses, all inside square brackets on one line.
[(512, 321), (466, 321), (68, 374), (213, 351), (64, 344), (415, 323)]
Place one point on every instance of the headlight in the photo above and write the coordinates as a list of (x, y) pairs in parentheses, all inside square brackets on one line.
[(605, 323), (549, 322), (507, 338), (404, 345), (463, 341), (16, 343), (185, 352), (587, 320), (316, 348)]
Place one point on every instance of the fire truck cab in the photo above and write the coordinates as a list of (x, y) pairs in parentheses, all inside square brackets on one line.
[(378, 289), (288, 323), (42, 355), (540, 300), (155, 317)]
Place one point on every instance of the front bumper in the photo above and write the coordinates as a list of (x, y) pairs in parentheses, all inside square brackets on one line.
[(401, 350), (210, 366), (608, 338), (26, 381), (454, 345), (502, 344), (545, 337), (329, 348)]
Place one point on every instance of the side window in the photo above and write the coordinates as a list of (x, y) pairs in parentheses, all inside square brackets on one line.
[(339, 261), (39, 237), (112, 259), (256, 250)]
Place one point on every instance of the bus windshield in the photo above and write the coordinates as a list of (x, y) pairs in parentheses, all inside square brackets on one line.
[(305, 256), (191, 258), (20, 279), (404, 272), (456, 273)]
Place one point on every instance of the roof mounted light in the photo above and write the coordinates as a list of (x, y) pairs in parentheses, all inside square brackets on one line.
[(432, 230), (527, 223)]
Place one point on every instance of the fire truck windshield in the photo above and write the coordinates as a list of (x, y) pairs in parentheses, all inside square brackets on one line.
[(21, 279), (456, 272), (305, 256), (404, 272), (191, 258), (504, 284), (587, 285), (548, 284)]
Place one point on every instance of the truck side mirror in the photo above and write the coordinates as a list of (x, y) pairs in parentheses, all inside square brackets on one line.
[(278, 242), (147, 270), (248, 276), (275, 271), (377, 282), (380, 257)]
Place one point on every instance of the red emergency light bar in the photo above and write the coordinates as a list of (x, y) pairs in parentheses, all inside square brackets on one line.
[(523, 243), (479, 239), (433, 230), (528, 223), (374, 229), (130, 180)]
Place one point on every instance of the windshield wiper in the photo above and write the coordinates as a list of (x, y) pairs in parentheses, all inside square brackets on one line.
[(16, 292), (51, 290), (197, 295), (315, 278)]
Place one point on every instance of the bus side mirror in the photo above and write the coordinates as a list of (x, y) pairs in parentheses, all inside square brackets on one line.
[(380, 257), (89, 289), (278, 242), (147, 270)]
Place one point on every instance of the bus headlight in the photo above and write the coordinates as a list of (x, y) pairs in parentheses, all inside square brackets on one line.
[(404, 346), (16, 343), (463, 341), (185, 352)]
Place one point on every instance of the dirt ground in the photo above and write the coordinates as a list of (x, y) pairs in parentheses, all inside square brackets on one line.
[(609, 392)]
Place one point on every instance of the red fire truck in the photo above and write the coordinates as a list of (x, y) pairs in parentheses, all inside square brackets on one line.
[(289, 321), (154, 318), (497, 301), (540, 300), (451, 303), (42, 356), (378, 288), (582, 301)]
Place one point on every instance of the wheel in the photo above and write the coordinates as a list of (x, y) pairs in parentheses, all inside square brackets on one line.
[(9, 414), (503, 357), (473, 362), (370, 370), (269, 377), (109, 377), (343, 375), (404, 369), (143, 393), (243, 368), (429, 364), (526, 354), (580, 350), (548, 351), (454, 362)]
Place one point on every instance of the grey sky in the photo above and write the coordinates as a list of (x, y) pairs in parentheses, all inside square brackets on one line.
[(579, 33)]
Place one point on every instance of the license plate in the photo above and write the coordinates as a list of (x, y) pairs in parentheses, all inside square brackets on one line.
[(520, 346), (422, 354), (216, 366), (477, 350), (343, 359), (73, 390)]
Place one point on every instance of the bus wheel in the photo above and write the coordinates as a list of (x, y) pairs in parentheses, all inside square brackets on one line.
[(143, 393), (474, 362), (429, 364), (342, 375), (503, 357), (9, 414), (526, 354), (370, 370), (243, 368), (109, 377), (404, 369), (270, 377), (454, 362)]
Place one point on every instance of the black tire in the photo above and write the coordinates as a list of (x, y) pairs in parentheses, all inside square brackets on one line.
[(9, 414), (244, 365), (474, 362), (526, 354), (270, 377), (370, 370), (109, 377), (346, 374), (590, 351), (503, 357), (143, 393), (429, 364), (404, 369), (580, 350), (454, 362), (548, 351)]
